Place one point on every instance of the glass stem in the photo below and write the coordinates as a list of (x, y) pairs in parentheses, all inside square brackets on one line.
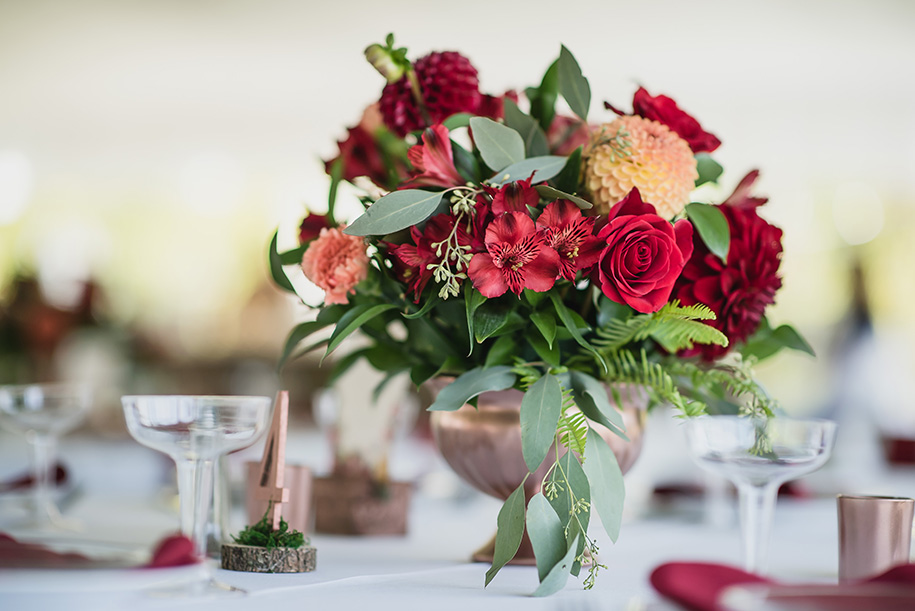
[(195, 489), (757, 509), (44, 458)]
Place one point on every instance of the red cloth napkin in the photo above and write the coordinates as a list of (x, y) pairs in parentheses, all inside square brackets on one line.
[(175, 550), (699, 585), (26, 481)]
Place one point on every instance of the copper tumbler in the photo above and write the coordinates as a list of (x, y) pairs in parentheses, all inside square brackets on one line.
[(875, 533), (296, 511)]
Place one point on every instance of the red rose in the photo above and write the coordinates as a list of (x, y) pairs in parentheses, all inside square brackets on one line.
[(740, 289), (643, 256), (664, 110)]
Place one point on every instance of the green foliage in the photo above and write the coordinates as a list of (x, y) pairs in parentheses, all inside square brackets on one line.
[(572, 85), (546, 533), (543, 98), (674, 327), (709, 169), (471, 384), (541, 407), (713, 228), (499, 145), (625, 367), (535, 142), (395, 211), (601, 466), (510, 530), (263, 535), (276, 267), (726, 387), (573, 425), (542, 168), (768, 341), (549, 193)]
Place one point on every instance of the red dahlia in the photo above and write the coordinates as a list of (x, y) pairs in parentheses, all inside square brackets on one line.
[(449, 84), (740, 290)]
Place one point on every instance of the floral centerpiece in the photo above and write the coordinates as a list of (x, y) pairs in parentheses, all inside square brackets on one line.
[(509, 244)]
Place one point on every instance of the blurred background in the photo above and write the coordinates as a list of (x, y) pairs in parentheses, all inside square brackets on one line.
[(148, 150)]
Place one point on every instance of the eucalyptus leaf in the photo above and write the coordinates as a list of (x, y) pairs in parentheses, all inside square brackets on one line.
[(569, 322), (471, 384), (535, 142), (457, 120), (712, 226), (500, 146), (540, 410), (558, 576), (543, 98), (546, 533), (509, 533), (542, 168), (352, 320), (395, 211), (572, 85), (591, 398), (709, 169), (550, 193), (568, 177), (607, 489), (276, 267)]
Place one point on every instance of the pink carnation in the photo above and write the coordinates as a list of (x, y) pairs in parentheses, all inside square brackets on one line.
[(336, 262)]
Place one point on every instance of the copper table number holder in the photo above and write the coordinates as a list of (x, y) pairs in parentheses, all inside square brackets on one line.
[(875, 533)]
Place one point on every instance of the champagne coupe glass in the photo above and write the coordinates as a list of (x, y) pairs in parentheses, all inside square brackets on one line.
[(195, 431), (758, 455), (42, 413)]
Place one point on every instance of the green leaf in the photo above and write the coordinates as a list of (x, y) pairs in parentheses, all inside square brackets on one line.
[(457, 120), (546, 324), (543, 98), (472, 300), (500, 146), (569, 322), (540, 410), (558, 576), (790, 338), (510, 530), (471, 384), (712, 226), (546, 533), (535, 142), (488, 318), (542, 168), (395, 211), (549, 354), (568, 177), (572, 85), (501, 352), (709, 169), (431, 302), (549, 193), (276, 267), (352, 320), (465, 163), (336, 175), (298, 334), (591, 398), (607, 489), (294, 256)]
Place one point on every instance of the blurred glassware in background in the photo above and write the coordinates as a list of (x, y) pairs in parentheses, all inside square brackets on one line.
[(758, 455), (42, 413), (195, 431)]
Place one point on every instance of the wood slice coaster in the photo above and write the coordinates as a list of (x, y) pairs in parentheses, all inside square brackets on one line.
[(268, 560)]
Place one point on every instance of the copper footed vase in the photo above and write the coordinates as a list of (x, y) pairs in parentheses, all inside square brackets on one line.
[(483, 446)]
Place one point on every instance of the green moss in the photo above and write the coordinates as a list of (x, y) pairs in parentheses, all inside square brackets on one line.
[(263, 535)]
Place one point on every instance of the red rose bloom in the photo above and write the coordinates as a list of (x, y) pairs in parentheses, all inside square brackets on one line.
[(517, 257), (740, 290), (643, 254), (570, 234), (449, 84), (664, 110)]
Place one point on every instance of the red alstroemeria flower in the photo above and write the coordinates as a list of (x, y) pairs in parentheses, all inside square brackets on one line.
[(517, 257), (571, 235), (664, 110), (433, 161), (515, 196), (411, 261)]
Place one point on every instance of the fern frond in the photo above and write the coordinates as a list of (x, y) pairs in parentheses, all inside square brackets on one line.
[(527, 375), (732, 379), (625, 367), (674, 327)]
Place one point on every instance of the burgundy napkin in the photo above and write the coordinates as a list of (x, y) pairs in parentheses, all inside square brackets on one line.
[(175, 550), (698, 585)]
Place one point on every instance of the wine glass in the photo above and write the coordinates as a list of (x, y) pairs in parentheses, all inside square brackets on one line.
[(758, 455), (42, 413), (195, 431)]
